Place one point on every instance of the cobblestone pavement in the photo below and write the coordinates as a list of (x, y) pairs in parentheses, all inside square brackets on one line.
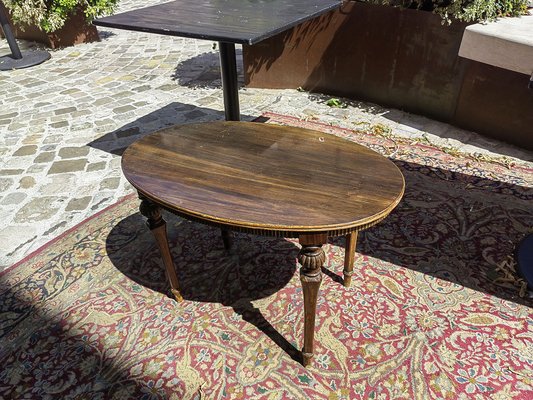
[(64, 123)]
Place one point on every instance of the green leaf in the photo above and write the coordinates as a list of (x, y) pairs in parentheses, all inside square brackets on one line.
[(336, 103)]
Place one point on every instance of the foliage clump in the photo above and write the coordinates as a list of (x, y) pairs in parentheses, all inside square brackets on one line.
[(463, 10), (50, 15)]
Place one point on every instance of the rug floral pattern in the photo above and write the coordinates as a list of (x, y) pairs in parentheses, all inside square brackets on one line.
[(87, 317)]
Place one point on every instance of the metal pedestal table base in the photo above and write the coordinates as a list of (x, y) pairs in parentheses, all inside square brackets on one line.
[(28, 59)]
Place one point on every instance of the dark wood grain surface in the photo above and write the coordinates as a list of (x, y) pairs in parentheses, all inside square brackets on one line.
[(264, 178), (235, 21)]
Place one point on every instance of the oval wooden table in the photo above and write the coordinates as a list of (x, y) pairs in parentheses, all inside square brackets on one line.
[(268, 180)]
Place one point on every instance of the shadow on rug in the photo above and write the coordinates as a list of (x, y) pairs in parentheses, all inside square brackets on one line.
[(256, 268), (427, 316)]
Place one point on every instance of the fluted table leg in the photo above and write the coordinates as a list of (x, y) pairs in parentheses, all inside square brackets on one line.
[(158, 226), (311, 257)]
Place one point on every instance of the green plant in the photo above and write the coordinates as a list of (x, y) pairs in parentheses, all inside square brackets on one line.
[(336, 103), (463, 10), (50, 15)]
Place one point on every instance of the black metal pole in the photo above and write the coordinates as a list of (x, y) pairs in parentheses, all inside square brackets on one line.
[(230, 89), (228, 69), (6, 27)]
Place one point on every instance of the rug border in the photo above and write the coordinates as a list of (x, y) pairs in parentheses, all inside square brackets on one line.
[(67, 232)]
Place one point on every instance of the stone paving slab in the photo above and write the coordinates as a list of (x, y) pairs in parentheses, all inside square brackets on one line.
[(64, 124)]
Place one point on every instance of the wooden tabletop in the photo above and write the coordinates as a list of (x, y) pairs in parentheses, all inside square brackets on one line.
[(234, 21), (264, 178)]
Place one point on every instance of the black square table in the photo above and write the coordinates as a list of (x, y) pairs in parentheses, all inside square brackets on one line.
[(225, 21)]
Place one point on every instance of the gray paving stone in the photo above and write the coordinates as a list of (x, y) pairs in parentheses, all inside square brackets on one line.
[(166, 87), (60, 167), (110, 183), (4, 172), (60, 124), (73, 152), (27, 182), (13, 99), (11, 142), (44, 157), (80, 113), (42, 104), (123, 109), (148, 118), (38, 209), (49, 147), (16, 125), (9, 115), (14, 198), (196, 114), (36, 168), (96, 166), (122, 95), (115, 163), (5, 183), (57, 184), (25, 151), (81, 126), (38, 125), (32, 139), (71, 90), (128, 132), (65, 110), (59, 118), (106, 121), (141, 88), (78, 204), (51, 139)]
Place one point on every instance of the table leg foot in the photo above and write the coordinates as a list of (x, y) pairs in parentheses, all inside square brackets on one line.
[(307, 358), (158, 226), (311, 257), (177, 295), (349, 256)]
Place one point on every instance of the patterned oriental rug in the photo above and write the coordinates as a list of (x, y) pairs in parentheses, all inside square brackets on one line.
[(433, 312)]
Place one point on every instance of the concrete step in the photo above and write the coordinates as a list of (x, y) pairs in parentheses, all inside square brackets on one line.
[(506, 43)]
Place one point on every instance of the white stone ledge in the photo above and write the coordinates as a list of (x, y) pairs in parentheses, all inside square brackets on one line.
[(506, 43)]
